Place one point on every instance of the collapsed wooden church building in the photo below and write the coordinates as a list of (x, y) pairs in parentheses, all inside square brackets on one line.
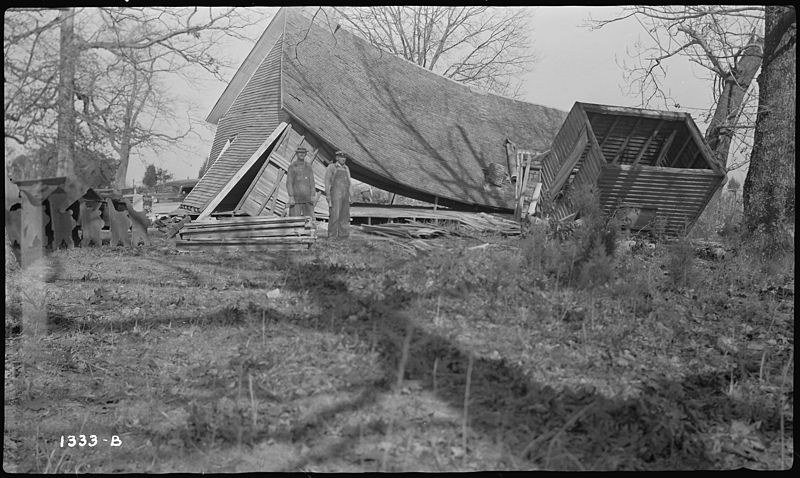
[(412, 132), (405, 129)]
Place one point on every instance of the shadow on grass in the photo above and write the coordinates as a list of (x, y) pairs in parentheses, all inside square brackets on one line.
[(568, 429)]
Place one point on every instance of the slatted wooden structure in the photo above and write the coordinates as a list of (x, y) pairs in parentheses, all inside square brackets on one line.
[(248, 234), (654, 163)]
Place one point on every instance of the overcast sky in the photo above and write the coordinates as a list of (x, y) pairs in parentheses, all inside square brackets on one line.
[(575, 64)]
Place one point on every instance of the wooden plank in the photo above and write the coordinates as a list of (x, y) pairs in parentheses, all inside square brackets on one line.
[(247, 220), (535, 197), (680, 151), (272, 229), (627, 139), (662, 154), (245, 227), (190, 246), (278, 180), (569, 163), (610, 130), (593, 140), (260, 240), (224, 235), (242, 171), (521, 201), (666, 171), (647, 143), (629, 111), (703, 147), (256, 181)]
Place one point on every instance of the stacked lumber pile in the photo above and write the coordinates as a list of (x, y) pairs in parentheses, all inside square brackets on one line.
[(248, 234)]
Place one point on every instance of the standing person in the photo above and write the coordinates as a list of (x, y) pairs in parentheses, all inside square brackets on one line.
[(300, 186), (337, 188)]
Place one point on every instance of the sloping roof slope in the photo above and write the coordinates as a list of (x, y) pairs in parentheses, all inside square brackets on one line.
[(425, 134)]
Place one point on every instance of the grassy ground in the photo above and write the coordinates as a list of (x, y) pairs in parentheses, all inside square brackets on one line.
[(357, 356)]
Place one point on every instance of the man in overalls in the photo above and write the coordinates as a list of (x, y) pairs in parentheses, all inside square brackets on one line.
[(300, 186), (337, 188)]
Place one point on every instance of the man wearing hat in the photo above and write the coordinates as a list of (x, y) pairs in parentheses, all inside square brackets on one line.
[(337, 188), (300, 185)]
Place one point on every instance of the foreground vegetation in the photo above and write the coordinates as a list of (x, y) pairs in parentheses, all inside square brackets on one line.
[(551, 351)]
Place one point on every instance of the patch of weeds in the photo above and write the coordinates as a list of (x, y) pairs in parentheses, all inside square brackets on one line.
[(579, 252), (680, 263), (634, 286), (222, 420)]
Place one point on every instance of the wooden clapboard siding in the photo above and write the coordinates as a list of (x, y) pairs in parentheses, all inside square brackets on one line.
[(562, 145), (678, 197), (251, 118)]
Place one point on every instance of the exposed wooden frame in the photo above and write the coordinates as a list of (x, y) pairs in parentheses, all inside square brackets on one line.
[(690, 164), (608, 134), (593, 138), (703, 148), (242, 171), (680, 151), (278, 179), (647, 143), (662, 154), (258, 176), (625, 143)]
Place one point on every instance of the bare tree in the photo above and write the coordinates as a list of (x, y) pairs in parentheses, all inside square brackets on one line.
[(725, 41), (481, 46), (30, 73), (769, 188), (151, 41)]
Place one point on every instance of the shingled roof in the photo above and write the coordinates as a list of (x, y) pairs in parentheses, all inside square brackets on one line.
[(428, 134), (404, 128)]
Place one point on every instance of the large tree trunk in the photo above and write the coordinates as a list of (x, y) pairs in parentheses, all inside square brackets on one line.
[(769, 185), (66, 94)]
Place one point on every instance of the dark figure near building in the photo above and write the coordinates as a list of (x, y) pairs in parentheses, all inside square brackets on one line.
[(300, 186), (337, 188)]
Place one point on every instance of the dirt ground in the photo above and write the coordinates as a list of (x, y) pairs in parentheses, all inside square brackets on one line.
[(358, 356)]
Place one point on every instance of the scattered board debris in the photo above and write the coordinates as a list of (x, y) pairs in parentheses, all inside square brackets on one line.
[(475, 221)]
